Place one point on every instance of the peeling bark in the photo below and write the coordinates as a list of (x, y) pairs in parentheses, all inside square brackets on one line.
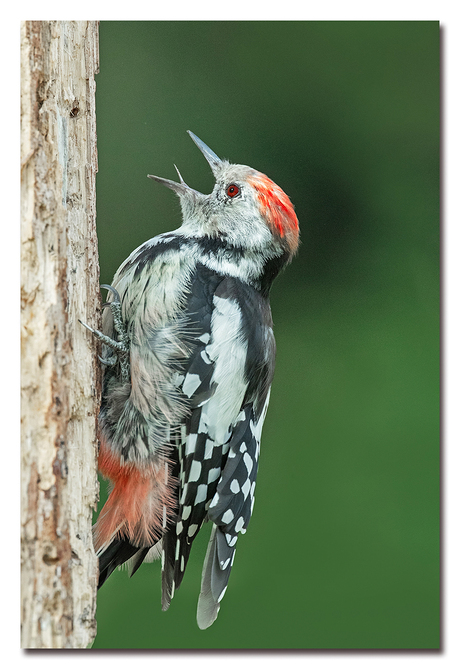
[(60, 383)]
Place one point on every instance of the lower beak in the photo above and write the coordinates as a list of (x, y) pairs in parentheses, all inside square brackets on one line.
[(179, 188)]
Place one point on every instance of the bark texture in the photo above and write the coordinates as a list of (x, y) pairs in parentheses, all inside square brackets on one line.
[(60, 383)]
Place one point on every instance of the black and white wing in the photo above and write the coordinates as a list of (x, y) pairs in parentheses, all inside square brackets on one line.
[(227, 382)]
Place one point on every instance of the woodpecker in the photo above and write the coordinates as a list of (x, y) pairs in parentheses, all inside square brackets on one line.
[(189, 352)]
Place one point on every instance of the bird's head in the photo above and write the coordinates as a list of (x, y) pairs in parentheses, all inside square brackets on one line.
[(245, 208)]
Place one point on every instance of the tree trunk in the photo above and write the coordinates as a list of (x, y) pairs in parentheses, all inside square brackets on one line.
[(60, 383)]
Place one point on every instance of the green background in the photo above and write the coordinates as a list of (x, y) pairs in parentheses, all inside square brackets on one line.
[(343, 547)]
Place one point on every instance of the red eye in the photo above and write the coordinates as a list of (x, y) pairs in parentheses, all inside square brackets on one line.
[(232, 190)]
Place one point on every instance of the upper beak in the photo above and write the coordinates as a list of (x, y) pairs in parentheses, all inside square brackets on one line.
[(213, 160), (181, 187)]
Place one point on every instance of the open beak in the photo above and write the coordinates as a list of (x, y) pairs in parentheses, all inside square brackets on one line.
[(181, 188)]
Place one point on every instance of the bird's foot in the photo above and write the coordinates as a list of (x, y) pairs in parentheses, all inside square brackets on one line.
[(120, 348)]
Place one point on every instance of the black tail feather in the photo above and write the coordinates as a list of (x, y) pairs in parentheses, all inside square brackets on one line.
[(116, 554), (138, 559), (167, 573)]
